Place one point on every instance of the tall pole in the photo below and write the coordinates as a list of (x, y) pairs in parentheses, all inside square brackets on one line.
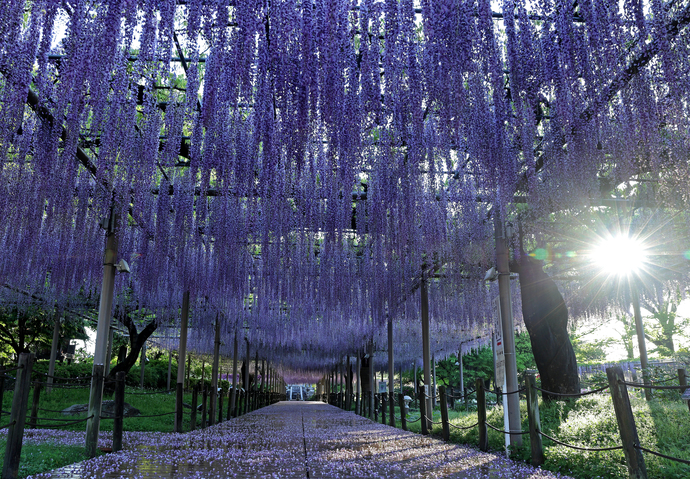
[(233, 394), (53, 350), (109, 352), (426, 350), (503, 268), (358, 393), (462, 372), (372, 379), (246, 380), (182, 352), (214, 374), (104, 314), (642, 344), (391, 373)]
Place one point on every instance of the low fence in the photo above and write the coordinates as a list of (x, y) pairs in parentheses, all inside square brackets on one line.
[(617, 386), (20, 418)]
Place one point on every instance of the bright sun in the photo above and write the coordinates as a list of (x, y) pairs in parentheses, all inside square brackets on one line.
[(619, 255)]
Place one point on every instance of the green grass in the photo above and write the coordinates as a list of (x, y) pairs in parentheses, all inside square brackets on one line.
[(662, 425), (37, 458)]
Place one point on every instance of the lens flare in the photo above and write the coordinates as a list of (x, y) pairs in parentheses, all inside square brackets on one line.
[(619, 255)]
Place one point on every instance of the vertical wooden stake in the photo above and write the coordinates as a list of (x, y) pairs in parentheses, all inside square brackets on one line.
[(481, 416), (444, 412), (422, 411), (537, 450), (384, 406), (403, 415), (233, 394), (53, 351), (682, 381), (195, 400), (204, 398), (626, 423), (95, 403), (34, 405), (15, 432), (119, 412)]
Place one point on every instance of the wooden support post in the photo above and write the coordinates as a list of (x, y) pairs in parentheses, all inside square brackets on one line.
[(391, 374), (372, 380), (537, 450), (213, 393), (682, 381), (118, 421), (195, 401), (444, 412), (105, 313), (246, 380), (626, 423), (376, 406), (109, 350), (358, 391), (95, 400), (182, 352), (384, 406), (204, 410), (481, 415), (33, 421), (53, 351), (220, 406), (426, 349), (232, 411), (403, 415), (167, 384), (348, 387), (422, 411), (15, 432)]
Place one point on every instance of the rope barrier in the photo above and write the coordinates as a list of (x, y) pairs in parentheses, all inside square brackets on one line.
[(4, 371), (5, 412), (506, 432), (463, 427), (511, 392), (78, 378), (580, 448), (670, 458), (666, 380), (51, 418), (151, 392), (156, 415), (8, 424), (62, 386), (645, 386), (50, 410), (410, 421), (55, 426), (573, 394)]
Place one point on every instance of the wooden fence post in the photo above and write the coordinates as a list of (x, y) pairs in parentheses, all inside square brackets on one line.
[(682, 381), (422, 412), (220, 406), (403, 416), (33, 421), (195, 400), (537, 450), (118, 421), (204, 398), (384, 406), (444, 412), (626, 423), (481, 415), (15, 433)]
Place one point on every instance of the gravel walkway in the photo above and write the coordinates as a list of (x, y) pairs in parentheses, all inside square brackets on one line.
[(295, 440)]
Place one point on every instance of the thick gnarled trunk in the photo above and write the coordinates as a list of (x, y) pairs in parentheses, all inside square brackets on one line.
[(546, 319)]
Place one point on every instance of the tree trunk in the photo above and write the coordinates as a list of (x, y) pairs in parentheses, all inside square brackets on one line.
[(546, 318), (136, 342)]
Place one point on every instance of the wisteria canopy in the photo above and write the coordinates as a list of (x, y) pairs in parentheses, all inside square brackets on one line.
[(300, 165)]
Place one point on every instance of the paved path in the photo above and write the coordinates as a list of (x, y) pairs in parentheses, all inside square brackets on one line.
[(295, 440)]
